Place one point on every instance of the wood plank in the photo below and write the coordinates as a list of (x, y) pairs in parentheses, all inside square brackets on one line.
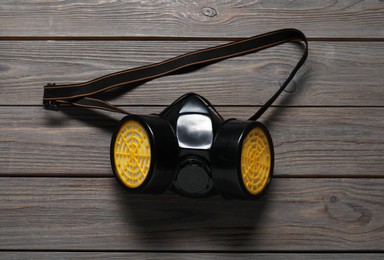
[(173, 18), (331, 77), (95, 213), (308, 141), (186, 255)]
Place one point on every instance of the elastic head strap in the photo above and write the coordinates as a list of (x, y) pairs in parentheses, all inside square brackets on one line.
[(260, 112), (82, 94)]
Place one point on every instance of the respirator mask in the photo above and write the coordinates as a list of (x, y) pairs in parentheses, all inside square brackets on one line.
[(189, 147)]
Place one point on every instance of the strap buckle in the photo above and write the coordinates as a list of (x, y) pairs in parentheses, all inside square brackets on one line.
[(51, 105)]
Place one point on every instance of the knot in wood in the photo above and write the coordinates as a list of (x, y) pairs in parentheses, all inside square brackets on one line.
[(209, 11), (333, 199), (290, 88)]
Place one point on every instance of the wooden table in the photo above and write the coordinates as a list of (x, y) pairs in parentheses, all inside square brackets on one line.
[(58, 197)]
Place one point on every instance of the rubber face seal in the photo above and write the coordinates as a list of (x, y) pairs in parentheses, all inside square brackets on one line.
[(132, 154), (255, 161)]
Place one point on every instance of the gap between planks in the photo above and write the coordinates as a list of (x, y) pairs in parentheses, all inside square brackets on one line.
[(254, 106), (300, 176), (197, 251), (151, 38)]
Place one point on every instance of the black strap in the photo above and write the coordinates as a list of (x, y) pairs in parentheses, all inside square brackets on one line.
[(82, 94)]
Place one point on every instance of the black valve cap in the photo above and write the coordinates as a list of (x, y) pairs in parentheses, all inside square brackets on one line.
[(194, 179)]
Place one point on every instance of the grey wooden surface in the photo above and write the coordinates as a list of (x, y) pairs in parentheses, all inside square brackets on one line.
[(298, 214), (309, 142), (335, 74), (324, 18), (58, 198)]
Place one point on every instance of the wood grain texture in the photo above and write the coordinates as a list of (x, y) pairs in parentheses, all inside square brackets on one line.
[(186, 255), (96, 214), (363, 19), (58, 198), (308, 141), (336, 74)]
